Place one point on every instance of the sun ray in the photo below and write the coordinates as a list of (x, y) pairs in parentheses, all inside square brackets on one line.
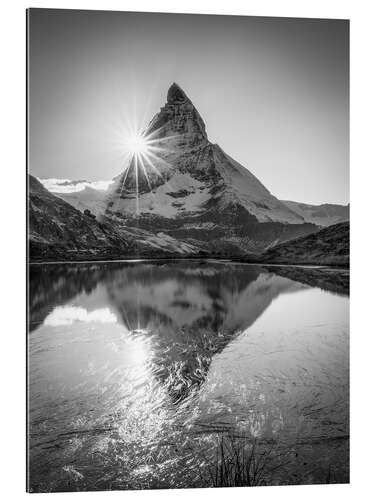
[(159, 159), (145, 173), (159, 149), (149, 162), (161, 139), (155, 132), (136, 185), (123, 184)]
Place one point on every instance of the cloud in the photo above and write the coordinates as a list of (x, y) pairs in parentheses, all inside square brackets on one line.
[(73, 186)]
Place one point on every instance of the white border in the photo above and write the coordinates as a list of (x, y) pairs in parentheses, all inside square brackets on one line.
[(12, 227)]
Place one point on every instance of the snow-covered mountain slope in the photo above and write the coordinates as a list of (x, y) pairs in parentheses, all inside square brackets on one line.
[(194, 174), (322, 215), (206, 178), (189, 188)]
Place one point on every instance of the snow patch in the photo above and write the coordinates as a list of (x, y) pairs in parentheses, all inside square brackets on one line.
[(159, 202)]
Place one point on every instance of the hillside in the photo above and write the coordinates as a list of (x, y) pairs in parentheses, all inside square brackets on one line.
[(58, 231), (329, 246)]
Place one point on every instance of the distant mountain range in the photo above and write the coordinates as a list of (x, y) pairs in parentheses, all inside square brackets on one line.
[(321, 215), (188, 199)]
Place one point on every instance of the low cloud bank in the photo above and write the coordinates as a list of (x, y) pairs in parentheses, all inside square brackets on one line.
[(73, 186)]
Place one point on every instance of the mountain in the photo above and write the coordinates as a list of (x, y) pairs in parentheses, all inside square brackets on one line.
[(190, 189), (322, 215), (181, 195), (329, 246), (58, 231), (86, 199)]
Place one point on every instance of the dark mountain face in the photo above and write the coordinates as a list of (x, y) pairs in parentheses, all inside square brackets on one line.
[(329, 246), (191, 190), (180, 119), (57, 229)]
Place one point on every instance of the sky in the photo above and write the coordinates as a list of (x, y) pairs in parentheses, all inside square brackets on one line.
[(273, 92)]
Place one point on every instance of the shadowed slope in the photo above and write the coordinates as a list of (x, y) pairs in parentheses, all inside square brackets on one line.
[(330, 246)]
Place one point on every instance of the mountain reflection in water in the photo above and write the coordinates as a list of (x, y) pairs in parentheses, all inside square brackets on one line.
[(135, 369)]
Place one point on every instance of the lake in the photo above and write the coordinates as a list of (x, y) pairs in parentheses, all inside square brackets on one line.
[(187, 374)]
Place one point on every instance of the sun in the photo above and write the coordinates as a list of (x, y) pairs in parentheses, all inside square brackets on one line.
[(137, 145), (143, 153)]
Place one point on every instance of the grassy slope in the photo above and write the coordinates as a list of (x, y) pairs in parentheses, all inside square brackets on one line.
[(329, 246)]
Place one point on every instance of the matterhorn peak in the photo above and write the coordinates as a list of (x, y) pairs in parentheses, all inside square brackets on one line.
[(176, 95), (179, 117)]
